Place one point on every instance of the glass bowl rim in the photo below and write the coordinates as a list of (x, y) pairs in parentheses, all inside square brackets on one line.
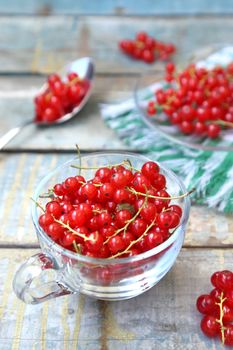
[(84, 259)]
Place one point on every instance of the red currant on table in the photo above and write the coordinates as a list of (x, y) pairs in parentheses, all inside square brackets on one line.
[(147, 49), (218, 308), (60, 97), (210, 326)]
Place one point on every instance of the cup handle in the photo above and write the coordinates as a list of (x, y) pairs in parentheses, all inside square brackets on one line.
[(30, 283)]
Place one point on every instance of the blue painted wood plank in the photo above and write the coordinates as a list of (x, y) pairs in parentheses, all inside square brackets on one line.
[(164, 318), (111, 7), (44, 44)]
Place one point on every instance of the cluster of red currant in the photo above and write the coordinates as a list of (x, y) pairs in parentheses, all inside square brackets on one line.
[(120, 212), (146, 48), (218, 308), (198, 101), (60, 97)]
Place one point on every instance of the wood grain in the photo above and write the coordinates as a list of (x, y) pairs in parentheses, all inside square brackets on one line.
[(111, 7), (43, 44), (20, 174), (152, 326), (165, 317)]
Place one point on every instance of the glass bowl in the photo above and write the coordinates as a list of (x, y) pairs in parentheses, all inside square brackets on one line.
[(144, 91), (56, 271)]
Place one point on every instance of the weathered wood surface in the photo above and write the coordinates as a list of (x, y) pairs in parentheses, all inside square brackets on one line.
[(20, 174), (43, 44), (165, 317), (87, 129), (111, 7)]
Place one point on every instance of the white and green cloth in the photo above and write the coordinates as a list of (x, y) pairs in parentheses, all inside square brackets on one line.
[(210, 172)]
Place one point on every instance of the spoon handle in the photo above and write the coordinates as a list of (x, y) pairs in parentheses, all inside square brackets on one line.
[(9, 135)]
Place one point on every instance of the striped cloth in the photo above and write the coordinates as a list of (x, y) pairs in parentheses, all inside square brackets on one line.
[(211, 173)]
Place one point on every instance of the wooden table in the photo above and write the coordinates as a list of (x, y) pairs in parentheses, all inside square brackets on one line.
[(36, 39)]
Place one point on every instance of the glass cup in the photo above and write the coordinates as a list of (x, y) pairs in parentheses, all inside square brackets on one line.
[(56, 271)]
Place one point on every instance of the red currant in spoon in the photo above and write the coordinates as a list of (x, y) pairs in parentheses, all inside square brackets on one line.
[(61, 98)]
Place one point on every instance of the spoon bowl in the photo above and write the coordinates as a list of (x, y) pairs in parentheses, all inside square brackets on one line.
[(84, 67)]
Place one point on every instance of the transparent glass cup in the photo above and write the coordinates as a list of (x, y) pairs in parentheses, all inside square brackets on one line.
[(56, 271)]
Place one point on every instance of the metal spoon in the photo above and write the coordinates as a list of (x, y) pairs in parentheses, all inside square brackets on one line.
[(84, 67)]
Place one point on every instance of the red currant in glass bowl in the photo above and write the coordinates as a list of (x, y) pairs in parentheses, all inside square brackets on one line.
[(191, 107), (111, 225)]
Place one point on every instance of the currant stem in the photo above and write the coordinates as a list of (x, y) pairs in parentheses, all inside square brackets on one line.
[(79, 157), (125, 162), (38, 204), (132, 190), (85, 238), (133, 242), (49, 194), (95, 168), (73, 81), (124, 228), (220, 320), (76, 247), (223, 123)]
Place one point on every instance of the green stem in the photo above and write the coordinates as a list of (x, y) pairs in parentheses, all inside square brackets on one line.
[(132, 190), (223, 123), (133, 242), (38, 204), (220, 320), (124, 228), (85, 238)]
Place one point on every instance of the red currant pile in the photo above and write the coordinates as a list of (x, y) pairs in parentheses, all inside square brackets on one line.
[(60, 97), (120, 212), (197, 101), (217, 307), (146, 48)]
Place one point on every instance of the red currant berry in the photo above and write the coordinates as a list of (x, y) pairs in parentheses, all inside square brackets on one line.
[(159, 182), (229, 297), (77, 218), (210, 326), (153, 239), (213, 130), (122, 217), (138, 227), (228, 335), (104, 174), (95, 241), (127, 237), (107, 191), (54, 209), (104, 219), (206, 304), (67, 239), (148, 212), (45, 220), (165, 220), (58, 189), (150, 169), (116, 244), (55, 231), (71, 184), (89, 191)]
